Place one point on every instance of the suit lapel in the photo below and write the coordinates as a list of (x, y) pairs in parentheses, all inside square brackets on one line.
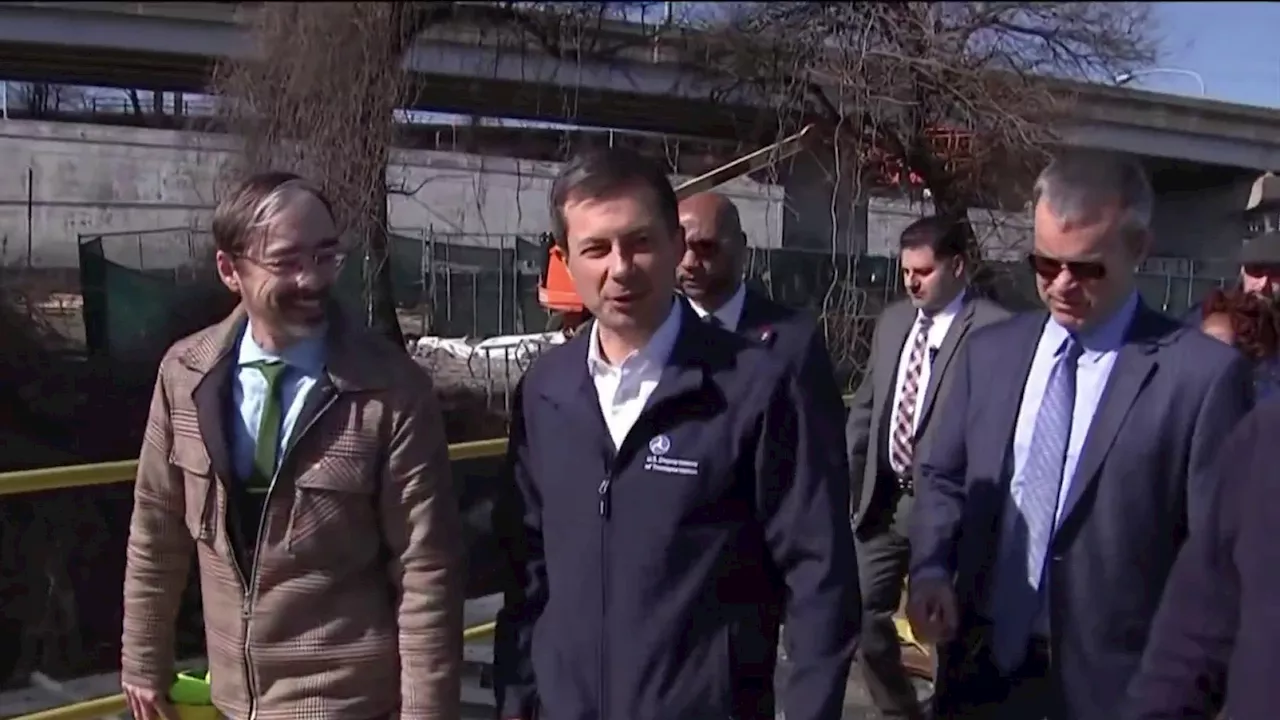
[(945, 352), (1008, 392), (897, 327), (1134, 366)]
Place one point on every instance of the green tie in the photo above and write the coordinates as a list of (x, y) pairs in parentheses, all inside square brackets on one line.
[(268, 440)]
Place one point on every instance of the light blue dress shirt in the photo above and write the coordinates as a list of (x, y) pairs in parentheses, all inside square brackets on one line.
[(305, 361), (1100, 348)]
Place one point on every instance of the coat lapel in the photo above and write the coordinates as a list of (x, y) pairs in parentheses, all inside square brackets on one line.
[(347, 369), (212, 358), (1007, 394), (683, 372), (1134, 366), (945, 352), (575, 392)]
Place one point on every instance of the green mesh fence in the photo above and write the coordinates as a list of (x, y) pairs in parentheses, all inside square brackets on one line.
[(135, 285), (483, 285)]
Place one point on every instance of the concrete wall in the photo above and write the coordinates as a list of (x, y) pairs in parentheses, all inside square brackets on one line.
[(1203, 224), (92, 179), (156, 189)]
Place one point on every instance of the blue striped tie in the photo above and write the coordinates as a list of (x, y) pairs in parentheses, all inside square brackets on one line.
[(1025, 541)]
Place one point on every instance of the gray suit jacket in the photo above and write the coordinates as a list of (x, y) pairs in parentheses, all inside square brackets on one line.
[(870, 414)]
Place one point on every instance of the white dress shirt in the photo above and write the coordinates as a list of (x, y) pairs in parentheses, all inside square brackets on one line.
[(730, 313), (937, 333), (624, 388)]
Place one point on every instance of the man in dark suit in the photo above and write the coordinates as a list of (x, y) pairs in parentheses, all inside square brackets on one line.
[(1054, 500), (889, 425), (665, 475), (1216, 632), (710, 276)]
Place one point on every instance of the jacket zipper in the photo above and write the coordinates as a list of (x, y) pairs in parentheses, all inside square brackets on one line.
[(252, 587), (605, 491)]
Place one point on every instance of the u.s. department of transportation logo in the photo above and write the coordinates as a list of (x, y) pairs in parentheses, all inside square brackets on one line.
[(658, 461), (659, 445)]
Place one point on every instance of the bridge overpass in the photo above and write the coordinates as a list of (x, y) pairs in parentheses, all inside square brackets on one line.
[(1202, 154), (172, 46)]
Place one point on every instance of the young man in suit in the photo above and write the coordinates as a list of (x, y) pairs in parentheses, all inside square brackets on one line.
[(666, 475), (303, 461), (1072, 466), (710, 276), (889, 426)]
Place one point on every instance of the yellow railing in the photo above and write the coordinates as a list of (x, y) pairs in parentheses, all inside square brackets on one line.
[(58, 478), (115, 704), (71, 476)]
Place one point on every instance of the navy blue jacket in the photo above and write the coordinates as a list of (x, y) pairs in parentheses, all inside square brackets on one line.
[(795, 338), (640, 576), (1218, 627), (1139, 488)]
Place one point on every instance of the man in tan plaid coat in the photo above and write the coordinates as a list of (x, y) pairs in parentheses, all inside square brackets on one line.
[(304, 461)]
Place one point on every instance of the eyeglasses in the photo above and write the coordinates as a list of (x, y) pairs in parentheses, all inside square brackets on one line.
[(291, 266), (1050, 268)]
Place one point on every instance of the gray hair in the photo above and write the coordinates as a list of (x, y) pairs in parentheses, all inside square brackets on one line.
[(1077, 185)]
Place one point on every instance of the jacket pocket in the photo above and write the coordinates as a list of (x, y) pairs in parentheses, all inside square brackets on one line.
[(191, 457), (334, 508)]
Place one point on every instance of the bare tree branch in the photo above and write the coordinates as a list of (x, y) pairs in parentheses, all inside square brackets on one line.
[(958, 95)]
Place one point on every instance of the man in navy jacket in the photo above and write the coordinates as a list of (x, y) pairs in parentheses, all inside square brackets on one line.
[(667, 475), (1216, 630)]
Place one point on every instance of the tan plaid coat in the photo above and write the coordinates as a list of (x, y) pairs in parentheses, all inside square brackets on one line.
[(354, 610)]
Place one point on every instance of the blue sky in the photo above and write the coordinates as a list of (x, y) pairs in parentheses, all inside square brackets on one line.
[(1234, 46)]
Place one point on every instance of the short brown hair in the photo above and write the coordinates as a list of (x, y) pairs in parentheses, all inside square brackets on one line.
[(252, 204), (603, 173), (945, 236)]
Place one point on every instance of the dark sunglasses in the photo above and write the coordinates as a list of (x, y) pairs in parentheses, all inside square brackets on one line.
[(1050, 268)]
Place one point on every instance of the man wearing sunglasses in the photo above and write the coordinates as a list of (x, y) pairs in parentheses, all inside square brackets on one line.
[(1052, 505), (302, 460), (710, 276)]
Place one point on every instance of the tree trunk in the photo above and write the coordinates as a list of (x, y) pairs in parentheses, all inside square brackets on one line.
[(379, 295)]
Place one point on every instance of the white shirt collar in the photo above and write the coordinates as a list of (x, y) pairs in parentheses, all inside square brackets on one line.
[(947, 313), (730, 313), (654, 354)]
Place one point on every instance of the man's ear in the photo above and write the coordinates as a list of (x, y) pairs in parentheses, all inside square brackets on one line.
[(226, 267)]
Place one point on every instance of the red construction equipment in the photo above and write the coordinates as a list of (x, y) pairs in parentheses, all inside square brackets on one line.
[(555, 290)]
